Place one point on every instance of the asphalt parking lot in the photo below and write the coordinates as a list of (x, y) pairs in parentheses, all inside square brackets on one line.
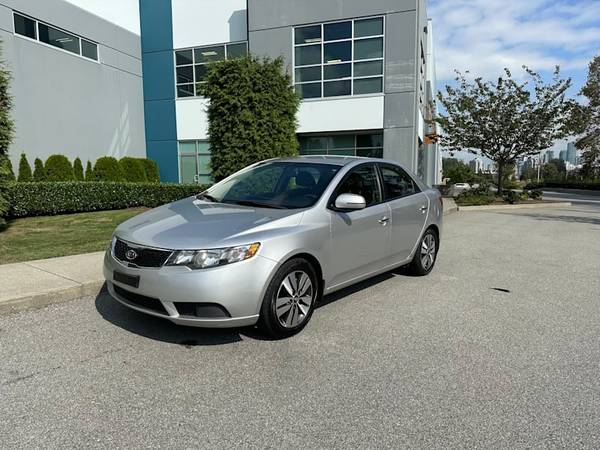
[(498, 348)]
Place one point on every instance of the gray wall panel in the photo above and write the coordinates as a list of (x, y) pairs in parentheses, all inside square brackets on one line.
[(400, 68), (399, 109), (276, 13), (399, 144)]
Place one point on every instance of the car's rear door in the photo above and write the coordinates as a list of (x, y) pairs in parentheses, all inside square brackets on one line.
[(360, 239), (409, 207)]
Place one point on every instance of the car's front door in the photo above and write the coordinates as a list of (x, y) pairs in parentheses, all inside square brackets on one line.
[(409, 207), (360, 239)]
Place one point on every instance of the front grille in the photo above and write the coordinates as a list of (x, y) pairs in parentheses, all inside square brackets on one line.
[(144, 257), (142, 301)]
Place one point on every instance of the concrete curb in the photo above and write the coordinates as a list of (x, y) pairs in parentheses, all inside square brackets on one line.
[(523, 206), (55, 296)]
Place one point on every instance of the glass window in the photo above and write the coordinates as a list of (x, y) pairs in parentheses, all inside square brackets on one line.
[(369, 140), (338, 52), (239, 50), (337, 88), (367, 145), (188, 168), (185, 90), (185, 74), (397, 183), (201, 71), (368, 85), (337, 31), (183, 57), (187, 148), (59, 38), (308, 55), (309, 90), (362, 181), (25, 26), (308, 74), (337, 71), (370, 152), (194, 163), (368, 48), (209, 54), (89, 50), (368, 27), (337, 59), (367, 69), (306, 35), (342, 141)]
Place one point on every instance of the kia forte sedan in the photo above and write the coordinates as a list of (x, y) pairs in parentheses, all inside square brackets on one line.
[(264, 245)]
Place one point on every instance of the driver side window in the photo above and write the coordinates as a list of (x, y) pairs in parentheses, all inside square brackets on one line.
[(362, 181)]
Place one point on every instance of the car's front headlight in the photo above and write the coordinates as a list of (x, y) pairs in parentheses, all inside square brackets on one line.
[(203, 259)]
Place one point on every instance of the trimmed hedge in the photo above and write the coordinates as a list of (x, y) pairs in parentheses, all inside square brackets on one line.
[(151, 168), (52, 198), (39, 173), (133, 169), (108, 168), (58, 168)]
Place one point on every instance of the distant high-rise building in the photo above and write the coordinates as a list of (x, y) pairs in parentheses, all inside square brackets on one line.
[(477, 165), (549, 155), (571, 153), (562, 155)]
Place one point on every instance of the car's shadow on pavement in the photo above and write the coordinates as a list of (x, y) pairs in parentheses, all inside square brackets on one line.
[(162, 330)]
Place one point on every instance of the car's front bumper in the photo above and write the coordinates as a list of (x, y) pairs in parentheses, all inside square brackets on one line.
[(238, 288)]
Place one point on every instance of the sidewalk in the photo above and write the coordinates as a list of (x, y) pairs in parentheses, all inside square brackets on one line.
[(34, 284)]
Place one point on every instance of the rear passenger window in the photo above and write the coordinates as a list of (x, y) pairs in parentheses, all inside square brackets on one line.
[(397, 183)]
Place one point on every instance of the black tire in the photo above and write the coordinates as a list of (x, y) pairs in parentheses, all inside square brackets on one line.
[(420, 265), (272, 321)]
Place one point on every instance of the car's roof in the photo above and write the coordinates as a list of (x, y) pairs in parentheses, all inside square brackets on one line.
[(327, 159)]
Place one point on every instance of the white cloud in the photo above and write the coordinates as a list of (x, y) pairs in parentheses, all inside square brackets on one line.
[(484, 36)]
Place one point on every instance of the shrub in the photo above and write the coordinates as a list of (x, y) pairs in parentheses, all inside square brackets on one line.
[(37, 199), (9, 174), (251, 113), (58, 168), (478, 196), (151, 169), (78, 169), (39, 173), (108, 168), (89, 172), (25, 174), (535, 194), (511, 197), (4, 194), (133, 169)]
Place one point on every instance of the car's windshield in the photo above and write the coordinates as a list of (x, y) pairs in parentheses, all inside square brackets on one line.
[(286, 185)]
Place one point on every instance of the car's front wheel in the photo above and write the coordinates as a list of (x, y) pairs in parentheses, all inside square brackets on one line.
[(290, 299), (425, 255)]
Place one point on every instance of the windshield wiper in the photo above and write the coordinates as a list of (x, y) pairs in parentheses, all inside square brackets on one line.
[(257, 204), (208, 197)]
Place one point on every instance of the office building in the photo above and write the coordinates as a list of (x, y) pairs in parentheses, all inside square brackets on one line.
[(572, 153)]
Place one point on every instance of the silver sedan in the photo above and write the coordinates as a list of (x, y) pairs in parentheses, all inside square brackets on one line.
[(264, 245)]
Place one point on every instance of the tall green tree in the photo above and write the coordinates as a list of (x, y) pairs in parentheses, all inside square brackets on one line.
[(78, 169), (505, 119), (588, 117), (89, 172), (39, 172), (25, 174), (6, 136), (252, 113)]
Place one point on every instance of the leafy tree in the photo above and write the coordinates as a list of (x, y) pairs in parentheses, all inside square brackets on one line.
[(58, 168), (252, 113), (550, 172), (108, 168), (25, 174), (4, 178), (78, 169), (89, 172), (133, 169), (39, 173), (458, 172), (505, 119), (588, 118), (151, 169), (6, 136)]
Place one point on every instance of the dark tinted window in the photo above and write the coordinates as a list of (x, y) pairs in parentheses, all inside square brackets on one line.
[(306, 35), (362, 181), (239, 50), (397, 183), (89, 50), (25, 26), (59, 38), (338, 30)]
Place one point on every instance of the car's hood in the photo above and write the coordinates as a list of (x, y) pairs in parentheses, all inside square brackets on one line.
[(195, 224)]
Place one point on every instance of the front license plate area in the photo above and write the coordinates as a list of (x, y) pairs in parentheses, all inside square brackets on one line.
[(129, 280)]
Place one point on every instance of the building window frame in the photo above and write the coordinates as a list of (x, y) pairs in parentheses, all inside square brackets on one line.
[(351, 62), (194, 84), (199, 178), (356, 150), (37, 24)]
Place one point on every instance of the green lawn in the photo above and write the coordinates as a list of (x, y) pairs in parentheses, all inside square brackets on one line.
[(71, 234)]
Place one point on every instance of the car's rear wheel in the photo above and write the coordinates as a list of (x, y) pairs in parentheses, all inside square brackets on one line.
[(425, 255), (290, 299)]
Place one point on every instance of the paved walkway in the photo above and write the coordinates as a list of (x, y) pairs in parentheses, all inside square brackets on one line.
[(34, 284)]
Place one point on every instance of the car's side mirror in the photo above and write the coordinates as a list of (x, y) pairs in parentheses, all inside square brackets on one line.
[(350, 202)]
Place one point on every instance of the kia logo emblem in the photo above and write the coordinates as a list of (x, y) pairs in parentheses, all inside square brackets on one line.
[(131, 254)]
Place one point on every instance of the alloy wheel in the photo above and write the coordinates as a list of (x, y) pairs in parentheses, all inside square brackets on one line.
[(428, 251), (294, 299)]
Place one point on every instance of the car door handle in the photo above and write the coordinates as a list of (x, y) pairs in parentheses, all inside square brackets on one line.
[(384, 220), (423, 209)]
